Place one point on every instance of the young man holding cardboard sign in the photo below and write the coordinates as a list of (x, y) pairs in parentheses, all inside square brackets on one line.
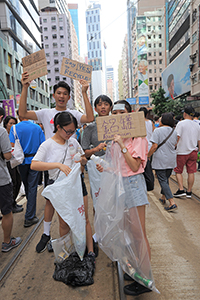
[(46, 116)]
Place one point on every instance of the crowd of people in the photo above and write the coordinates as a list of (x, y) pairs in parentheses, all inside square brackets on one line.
[(169, 145)]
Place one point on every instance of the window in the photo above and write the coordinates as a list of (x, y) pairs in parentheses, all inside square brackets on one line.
[(150, 70), (97, 27), (92, 27), (159, 27), (53, 27), (46, 37), (53, 19), (64, 78), (149, 53), (194, 78), (160, 70), (49, 79), (150, 79), (60, 19), (151, 87), (57, 78), (149, 28), (96, 53), (155, 78), (154, 70), (62, 36), (55, 53), (160, 44), (48, 62), (149, 45), (154, 53), (93, 45), (160, 61), (8, 81), (54, 36), (19, 86), (56, 61), (160, 53), (160, 36), (62, 53), (47, 46), (194, 37), (61, 27), (45, 29), (154, 45), (47, 54), (154, 62), (45, 20), (55, 45), (94, 18), (49, 71), (56, 70), (62, 45), (150, 62)]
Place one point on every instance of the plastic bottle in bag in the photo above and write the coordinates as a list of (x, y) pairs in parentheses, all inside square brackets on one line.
[(72, 150), (78, 155), (132, 272), (99, 160)]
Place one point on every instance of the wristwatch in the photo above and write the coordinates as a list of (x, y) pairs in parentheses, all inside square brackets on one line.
[(124, 150)]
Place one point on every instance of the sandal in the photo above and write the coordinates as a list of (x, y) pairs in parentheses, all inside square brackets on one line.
[(162, 201)]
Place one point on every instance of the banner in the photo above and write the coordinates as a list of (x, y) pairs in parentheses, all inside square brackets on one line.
[(127, 125), (35, 64), (75, 70), (143, 81), (9, 107)]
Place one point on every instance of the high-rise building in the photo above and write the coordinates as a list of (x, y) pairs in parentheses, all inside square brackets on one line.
[(95, 49), (110, 82), (73, 9), (195, 48), (20, 36), (177, 27), (148, 56), (146, 5), (59, 40)]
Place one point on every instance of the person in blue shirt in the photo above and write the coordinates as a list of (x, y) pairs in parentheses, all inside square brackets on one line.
[(30, 136)]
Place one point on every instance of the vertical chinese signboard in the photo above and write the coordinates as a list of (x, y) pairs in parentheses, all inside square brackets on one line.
[(143, 81)]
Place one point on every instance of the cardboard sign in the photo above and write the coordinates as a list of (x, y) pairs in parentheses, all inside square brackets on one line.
[(75, 69), (35, 64), (127, 125)]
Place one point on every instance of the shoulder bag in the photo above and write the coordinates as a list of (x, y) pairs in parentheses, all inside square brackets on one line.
[(18, 154)]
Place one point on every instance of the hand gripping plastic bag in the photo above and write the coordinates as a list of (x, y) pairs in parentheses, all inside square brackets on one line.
[(118, 228), (66, 197)]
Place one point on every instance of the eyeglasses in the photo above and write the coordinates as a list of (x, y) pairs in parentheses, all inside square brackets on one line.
[(70, 132)]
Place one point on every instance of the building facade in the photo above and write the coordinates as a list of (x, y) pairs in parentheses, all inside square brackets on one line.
[(73, 9), (195, 48), (95, 47), (59, 40), (20, 36), (178, 27), (148, 55)]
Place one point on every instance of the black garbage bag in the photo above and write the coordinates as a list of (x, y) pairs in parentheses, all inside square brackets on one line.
[(74, 271)]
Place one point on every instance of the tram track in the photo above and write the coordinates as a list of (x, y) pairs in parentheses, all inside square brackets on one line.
[(20, 250)]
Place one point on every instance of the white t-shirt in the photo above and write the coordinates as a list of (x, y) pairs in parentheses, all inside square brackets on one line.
[(149, 130), (51, 151), (46, 116), (189, 132)]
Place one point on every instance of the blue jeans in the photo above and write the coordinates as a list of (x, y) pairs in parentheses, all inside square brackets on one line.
[(30, 180), (163, 178)]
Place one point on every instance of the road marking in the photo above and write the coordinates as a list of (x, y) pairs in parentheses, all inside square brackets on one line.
[(165, 214)]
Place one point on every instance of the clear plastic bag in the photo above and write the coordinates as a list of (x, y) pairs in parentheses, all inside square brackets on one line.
[(63, 247), (66, 196), (118, 228)]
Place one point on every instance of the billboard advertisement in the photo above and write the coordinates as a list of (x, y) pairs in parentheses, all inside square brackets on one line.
[(176, 77), (143, 85)]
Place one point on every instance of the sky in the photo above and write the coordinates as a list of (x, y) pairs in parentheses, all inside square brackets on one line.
[(113, 28)]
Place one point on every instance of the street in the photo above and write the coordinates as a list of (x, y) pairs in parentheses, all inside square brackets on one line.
[(175, 248)]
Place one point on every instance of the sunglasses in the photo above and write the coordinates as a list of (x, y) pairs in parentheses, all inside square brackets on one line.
[(70, 132)]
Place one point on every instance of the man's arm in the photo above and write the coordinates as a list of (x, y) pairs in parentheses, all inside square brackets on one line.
[(7, 155), (98, 148), (23, 100), (152, 150), (89, 117)]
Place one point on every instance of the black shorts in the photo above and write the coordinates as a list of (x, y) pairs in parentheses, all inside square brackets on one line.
[(84, 189), (6, 202), (83, 185)]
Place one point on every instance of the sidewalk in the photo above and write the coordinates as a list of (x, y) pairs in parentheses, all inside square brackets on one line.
[(196, 186)]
